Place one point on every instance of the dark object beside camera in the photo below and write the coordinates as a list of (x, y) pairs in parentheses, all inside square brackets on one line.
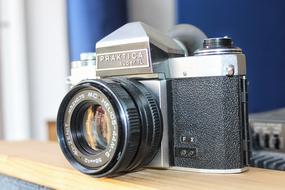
[(267, 137)]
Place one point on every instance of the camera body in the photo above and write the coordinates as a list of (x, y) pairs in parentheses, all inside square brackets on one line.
[(201, 100)]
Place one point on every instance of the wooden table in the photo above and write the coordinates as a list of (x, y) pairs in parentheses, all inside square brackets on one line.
[(43, 163)]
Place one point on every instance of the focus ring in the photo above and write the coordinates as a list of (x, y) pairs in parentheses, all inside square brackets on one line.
[(130, 130), (156, 122), (157, 127), (150, 119)]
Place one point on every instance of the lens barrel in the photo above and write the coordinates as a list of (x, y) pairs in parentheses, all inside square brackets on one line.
[(109, 126)]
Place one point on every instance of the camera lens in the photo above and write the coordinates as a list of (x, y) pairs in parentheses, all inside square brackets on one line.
[(111, 126), (94, 128)]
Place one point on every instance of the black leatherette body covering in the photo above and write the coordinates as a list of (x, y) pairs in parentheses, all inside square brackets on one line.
[(207, 123)]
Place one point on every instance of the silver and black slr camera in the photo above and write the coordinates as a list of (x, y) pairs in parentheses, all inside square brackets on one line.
[(146, 99)]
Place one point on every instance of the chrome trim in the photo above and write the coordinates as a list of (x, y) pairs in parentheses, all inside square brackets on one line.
[(130, 38), (79, 64), (216, 51), (85, 56), (159, 89), (201, 66), (211, 171), (139, 32), (146, 65)]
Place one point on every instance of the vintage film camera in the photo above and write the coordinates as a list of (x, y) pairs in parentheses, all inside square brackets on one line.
[(176, 101)]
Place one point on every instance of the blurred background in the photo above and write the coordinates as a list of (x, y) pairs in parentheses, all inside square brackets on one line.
[(38, 39)]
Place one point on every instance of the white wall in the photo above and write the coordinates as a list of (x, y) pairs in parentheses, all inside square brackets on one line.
[(160, 14), (13, 76), (34, 64), (2, 25), (48, 60), (34, 59)]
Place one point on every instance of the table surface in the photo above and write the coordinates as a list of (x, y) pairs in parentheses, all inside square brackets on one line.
[(43, 163)]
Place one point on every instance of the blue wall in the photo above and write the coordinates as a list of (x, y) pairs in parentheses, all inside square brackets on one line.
[(258, 27), (90, 20)]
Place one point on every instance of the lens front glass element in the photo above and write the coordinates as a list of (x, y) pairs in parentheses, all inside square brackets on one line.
[(96, 128)]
